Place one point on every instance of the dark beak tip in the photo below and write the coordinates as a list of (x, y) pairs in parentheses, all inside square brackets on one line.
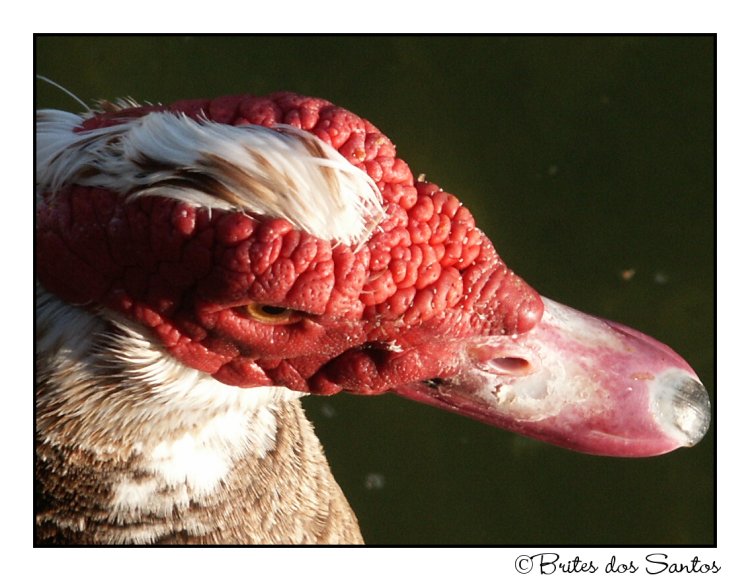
[(683, 407)]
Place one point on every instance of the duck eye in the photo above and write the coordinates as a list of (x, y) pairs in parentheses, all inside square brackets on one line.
[(272, 314)]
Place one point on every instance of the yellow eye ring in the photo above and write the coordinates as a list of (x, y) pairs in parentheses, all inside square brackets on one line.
[(271, 314)]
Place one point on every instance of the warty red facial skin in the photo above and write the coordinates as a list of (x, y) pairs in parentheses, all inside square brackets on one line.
[(423, 307)]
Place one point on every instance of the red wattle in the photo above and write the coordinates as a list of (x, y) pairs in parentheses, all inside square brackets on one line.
[(185, 273)]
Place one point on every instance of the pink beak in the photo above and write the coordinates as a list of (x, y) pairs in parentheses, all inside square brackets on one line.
[(579, 382)]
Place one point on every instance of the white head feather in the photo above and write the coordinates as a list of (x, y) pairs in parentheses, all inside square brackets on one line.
[(278, 172)]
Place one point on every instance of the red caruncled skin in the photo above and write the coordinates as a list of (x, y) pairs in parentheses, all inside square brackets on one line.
[(426, 277)]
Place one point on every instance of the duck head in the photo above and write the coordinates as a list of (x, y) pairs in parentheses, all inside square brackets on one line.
[(280, 241)]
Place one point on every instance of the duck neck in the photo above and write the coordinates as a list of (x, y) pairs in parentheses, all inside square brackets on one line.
[(132, 447)]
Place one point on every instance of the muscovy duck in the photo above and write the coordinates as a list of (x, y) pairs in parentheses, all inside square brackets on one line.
[(203, 265)]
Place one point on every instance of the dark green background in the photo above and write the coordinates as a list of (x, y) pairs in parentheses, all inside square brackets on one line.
[(581, 157)]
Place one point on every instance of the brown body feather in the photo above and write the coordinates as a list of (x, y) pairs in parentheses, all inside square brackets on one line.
[(288, 497)]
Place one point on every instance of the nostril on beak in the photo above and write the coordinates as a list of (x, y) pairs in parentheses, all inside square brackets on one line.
[(509, 365), (681, 405), (502, 359)]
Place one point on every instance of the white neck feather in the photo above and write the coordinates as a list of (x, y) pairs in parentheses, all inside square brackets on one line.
[(107, 389)]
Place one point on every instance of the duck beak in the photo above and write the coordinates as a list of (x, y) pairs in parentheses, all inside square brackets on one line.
[(579, 382)]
